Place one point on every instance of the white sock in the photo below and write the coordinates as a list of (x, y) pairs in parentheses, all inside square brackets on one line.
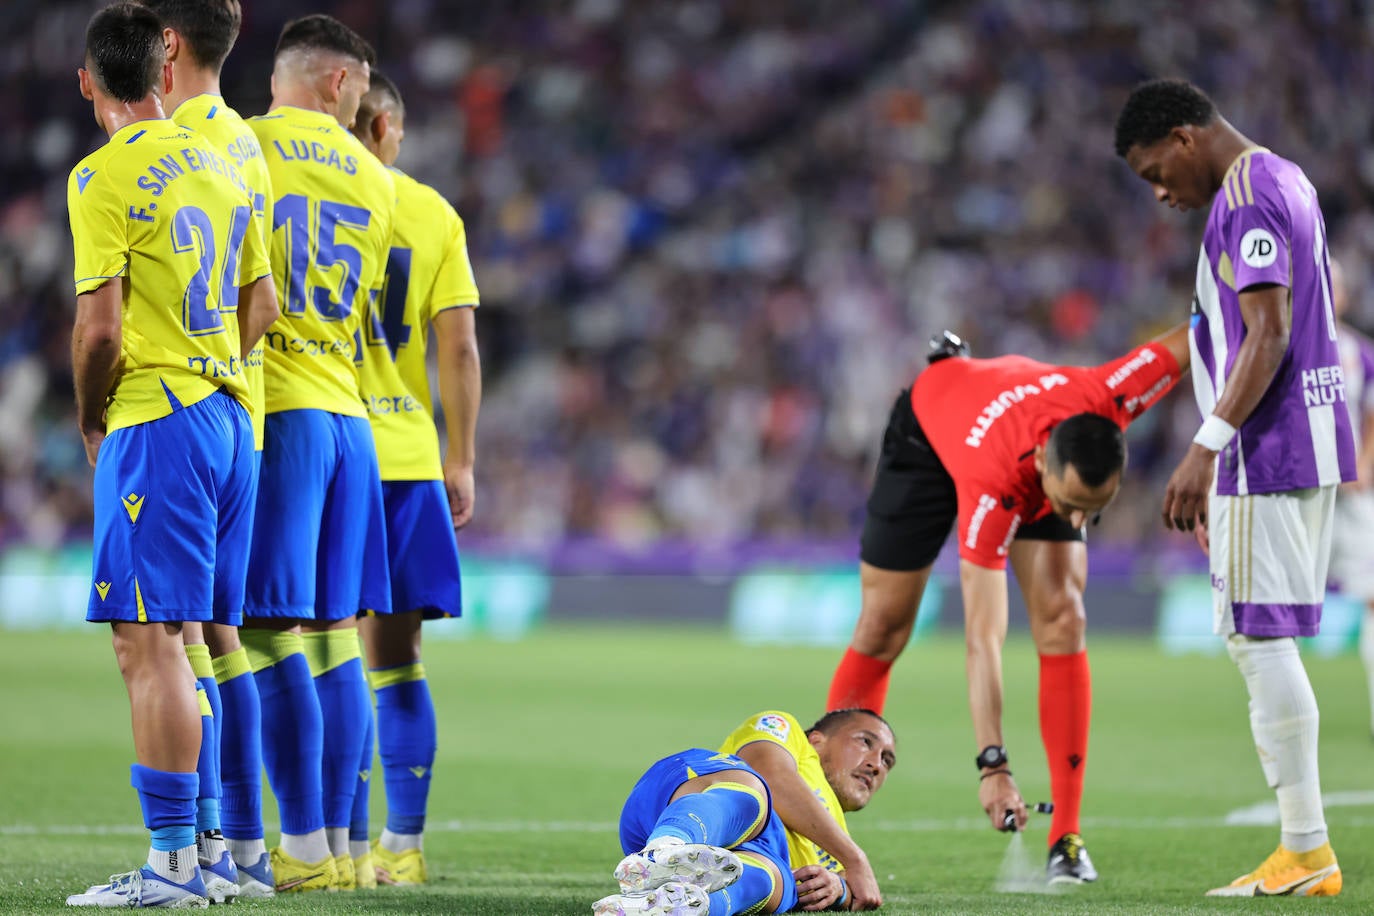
[(358, 848), (338, 840), (400, 842), (666, 840), (210, 846), (1284, 720), (246, 852), (178, 865), (1367, 656), (309, 847)]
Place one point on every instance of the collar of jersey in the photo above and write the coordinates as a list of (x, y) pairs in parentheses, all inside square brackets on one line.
[(125, 133), (306, 114), (1240, 157), (213, 98)]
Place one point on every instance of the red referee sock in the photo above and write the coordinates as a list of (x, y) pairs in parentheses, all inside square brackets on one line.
[(1066, 702), (860, 682)]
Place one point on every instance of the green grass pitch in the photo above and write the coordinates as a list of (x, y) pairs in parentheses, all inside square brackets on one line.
[(541, 740)]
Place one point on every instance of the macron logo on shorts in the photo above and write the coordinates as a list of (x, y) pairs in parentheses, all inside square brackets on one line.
[(133, 504)]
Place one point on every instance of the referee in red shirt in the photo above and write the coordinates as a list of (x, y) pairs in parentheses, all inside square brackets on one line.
[(1021, 454)]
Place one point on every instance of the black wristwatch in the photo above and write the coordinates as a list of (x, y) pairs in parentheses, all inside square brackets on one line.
[(993, 756)]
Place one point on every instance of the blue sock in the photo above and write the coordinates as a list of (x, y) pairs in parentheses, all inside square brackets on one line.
[(748, 894), (169, 805), (725, 814), (240, 752), (407, 735), (358, 826), (207, 767), (212, 694), (292, 731), (336, 662)]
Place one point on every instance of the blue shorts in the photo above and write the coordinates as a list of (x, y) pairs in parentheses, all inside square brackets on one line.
[(655, 790), (173, 514), (318, 526), (423, 549)]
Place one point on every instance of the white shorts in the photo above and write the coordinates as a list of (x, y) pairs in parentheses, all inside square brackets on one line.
[(1269, 556), (1352, 544)]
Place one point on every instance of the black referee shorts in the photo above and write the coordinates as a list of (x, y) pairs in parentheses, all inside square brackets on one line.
[(913, 503)]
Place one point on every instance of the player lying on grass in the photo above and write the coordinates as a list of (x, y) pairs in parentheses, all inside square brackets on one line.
[(758, 826)]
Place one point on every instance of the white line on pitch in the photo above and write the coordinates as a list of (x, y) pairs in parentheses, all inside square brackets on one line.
[(1257, 815)]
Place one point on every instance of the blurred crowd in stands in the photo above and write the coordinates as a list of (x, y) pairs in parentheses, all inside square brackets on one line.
[(713, 236)]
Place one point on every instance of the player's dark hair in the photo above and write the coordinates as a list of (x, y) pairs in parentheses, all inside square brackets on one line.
[(1157, 107), (318, 32), (208, 27), (124, 51), (380, 93), (1092, 443), (828, 723)]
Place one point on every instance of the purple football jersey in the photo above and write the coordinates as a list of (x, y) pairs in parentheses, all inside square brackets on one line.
[(1266, 227)]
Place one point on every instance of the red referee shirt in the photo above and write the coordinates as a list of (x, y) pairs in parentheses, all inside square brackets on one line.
[(984, 418)]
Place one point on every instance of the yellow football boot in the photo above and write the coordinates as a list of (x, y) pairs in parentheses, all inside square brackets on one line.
[(364, 871), (1289, 874), (292, 875), (343, 866), (398, 868)]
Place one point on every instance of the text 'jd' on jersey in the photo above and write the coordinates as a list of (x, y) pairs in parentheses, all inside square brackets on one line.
[(161, 212), (331, 229)]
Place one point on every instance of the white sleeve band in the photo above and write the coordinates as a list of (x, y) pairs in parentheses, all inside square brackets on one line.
[(1215, 433)]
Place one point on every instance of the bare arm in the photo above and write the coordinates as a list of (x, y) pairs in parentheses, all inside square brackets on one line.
[(97, 341), (257, 315), (802, 812), (985, 630), (1267, 313), (460, 391), (1175, 340)]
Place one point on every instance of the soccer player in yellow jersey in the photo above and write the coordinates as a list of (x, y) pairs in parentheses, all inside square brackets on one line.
[(319, 539), (197, 36), (757, 826), (164, 261), (429, 281)]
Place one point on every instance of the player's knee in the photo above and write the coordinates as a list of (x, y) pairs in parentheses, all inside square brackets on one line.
[(1060, 621), (147, 648), (392, 639), (1251, 653), (749, 800), (884, 627), (743, 780)]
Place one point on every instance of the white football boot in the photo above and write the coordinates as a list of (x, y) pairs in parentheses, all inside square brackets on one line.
[(668, 859), (671, 899), (144, 888)]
